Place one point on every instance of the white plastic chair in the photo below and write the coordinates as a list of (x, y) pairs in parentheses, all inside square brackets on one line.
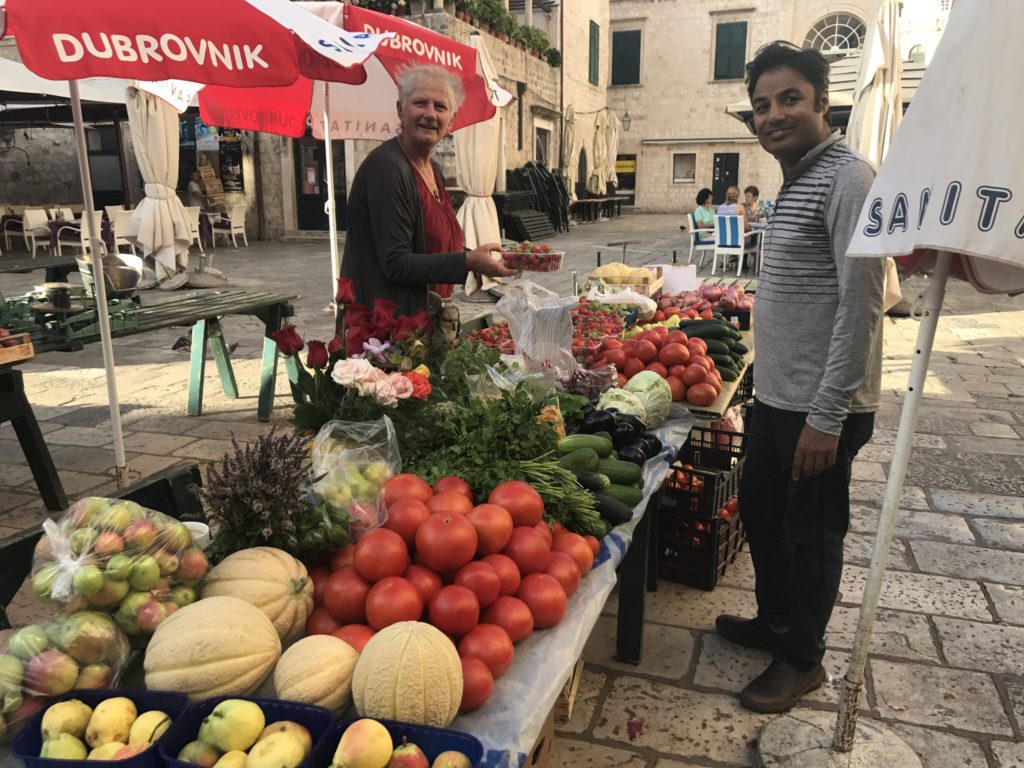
[(120, 222), (702, 249), (112, 211), (62, 213), (730, 240), (82, 230), (192, 211), (35, 229), (235, 225)]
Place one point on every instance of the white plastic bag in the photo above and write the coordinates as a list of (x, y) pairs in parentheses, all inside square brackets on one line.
[(540, 322), (647, 305)]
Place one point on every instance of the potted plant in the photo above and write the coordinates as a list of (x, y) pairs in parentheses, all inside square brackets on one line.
[(553, 57)]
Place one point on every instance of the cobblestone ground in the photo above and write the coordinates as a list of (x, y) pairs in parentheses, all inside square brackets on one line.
[(945, 669)]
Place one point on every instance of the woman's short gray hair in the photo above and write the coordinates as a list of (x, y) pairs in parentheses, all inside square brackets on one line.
[(414, 76)]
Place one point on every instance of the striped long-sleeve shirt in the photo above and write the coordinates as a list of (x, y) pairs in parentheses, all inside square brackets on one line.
[(818, 329)]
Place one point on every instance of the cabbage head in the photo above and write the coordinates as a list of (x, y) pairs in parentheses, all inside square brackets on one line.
[(654, 394), (625, 401)]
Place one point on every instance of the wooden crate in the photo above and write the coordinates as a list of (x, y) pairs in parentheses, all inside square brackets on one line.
[(567, 699), (212, 185), (21, 350), (539, 755)]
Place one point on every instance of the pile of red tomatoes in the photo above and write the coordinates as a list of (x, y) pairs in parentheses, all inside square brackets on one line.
[(487, 574)]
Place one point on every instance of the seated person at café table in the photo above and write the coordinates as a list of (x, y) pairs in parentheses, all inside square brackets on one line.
[(404, 242), (196, 197), (732, 207), (704, 215), (756, 210)]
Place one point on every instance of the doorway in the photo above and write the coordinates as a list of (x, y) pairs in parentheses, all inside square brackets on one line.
[(726, 174), (581, 176), (311, 183)]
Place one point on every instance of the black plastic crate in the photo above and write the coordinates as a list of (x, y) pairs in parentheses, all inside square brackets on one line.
[(699, 493), (710, 448), (745, 390), (738, 317), (697, 552)]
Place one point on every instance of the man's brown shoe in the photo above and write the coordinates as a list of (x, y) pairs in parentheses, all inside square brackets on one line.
[(750, 633), (780, 687)]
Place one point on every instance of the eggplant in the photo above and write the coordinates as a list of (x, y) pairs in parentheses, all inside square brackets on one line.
[(624, 434), (633, 454), (597, 421), (587, 409), (628, 418), (652, 440)]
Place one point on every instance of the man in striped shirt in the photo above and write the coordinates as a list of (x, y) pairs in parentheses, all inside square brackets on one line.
[(817, 376)]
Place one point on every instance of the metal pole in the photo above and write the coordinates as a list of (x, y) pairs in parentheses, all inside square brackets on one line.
[(853, 683), (331, 214), (99, 285)]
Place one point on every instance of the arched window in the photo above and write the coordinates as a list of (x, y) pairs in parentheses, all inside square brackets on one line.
[(836, 33), (917, 54)]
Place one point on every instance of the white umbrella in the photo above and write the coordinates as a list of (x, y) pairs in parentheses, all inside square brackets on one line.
[(612, 149), (477, 154), (950, 191), (159, 224), (597, 184), (569, 152)]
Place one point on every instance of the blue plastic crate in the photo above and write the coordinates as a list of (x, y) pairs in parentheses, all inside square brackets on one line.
[(433, 741), (27, 744), (317, 720)]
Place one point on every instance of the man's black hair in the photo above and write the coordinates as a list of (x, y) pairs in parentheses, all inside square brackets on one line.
[(809, 63), (703, 195)]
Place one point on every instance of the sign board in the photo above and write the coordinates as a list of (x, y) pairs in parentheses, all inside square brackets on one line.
[(625, 166)]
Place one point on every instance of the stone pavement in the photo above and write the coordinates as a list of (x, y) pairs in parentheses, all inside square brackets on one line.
[(945, 669)]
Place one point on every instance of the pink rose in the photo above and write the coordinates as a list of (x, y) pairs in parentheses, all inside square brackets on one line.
[(403, 387)]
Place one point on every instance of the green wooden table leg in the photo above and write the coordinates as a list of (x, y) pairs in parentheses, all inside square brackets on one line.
[(222, 357), (291, 366), (268, 370), (197, 368)]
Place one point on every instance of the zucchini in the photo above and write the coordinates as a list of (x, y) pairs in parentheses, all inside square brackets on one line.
[(627, 494), (716, 331), (717, 347), (582, 459), (728, 374), (600, 445), (592, 481), (615, 512), (740, 348), (620, 472)]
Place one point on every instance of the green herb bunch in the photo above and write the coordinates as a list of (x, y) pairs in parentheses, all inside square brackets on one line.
[(259, 495)]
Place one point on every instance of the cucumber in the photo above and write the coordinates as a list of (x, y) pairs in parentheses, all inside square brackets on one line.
[(592, 481), (582, 459), (599, 445), (716, 331), (728, 374), (620, 472), (721, 361), (717, 347), (615, 512), (627, 494), (740, 348)]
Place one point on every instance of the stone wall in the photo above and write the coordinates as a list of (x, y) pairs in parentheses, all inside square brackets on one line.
[(586, 99), (38, 167)]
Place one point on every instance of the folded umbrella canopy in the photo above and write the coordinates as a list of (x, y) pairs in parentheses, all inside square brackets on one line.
[(236, 43)]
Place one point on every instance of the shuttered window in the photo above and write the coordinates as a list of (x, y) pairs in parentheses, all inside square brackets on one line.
[(730, 50), (626, 57), (595, 54)]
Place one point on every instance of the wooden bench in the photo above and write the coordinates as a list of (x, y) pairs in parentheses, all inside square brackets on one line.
[(167, 492)]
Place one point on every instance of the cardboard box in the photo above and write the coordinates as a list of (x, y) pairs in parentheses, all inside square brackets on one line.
[(567, 699)]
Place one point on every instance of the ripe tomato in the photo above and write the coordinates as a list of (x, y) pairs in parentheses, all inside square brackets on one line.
[(405, 517), (319, 577), (545, 530), (521, 500), (658, 368), (676, 337), (482, 579), (529, 550), (454, 610), (545, 598), (701, 394), (694, 374), (565, 571), (381, 553), (427, 582), (452, 483), (697, 346), (616, 357), (320, 622), (677, 371), (701, 361), (621, 380), (392, 600), (449, 502), (356, 635), (646, 351), (342, 557), (595, 545), (477, 684), (512, 615), (677, 388), (507, 571), (406, 486), (632, 367), (573, 545), (446, 542), (493, 527), (491, 644), (673, 354), (345, 596)]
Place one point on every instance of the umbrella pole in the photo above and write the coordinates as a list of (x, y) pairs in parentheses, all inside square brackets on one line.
[(332, 217), (99, 285), (853, 683)]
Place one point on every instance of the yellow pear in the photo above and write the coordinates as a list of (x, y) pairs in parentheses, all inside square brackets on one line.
[(148, 727), (233, 759), (278, 750), (107, 751), (299, 732), (111, 721), (233, 724), (364, 744), (70, 716)]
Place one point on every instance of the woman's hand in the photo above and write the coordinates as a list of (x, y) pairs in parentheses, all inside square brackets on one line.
[(486, 259)]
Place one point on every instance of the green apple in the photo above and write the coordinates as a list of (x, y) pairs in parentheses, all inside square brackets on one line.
[(119, 567), (145, 573), (42, 581), (12, 669), (116, 518), (83, 539), (88, 580), (182, 596), (377, 473), (28, 642), (233, 724)]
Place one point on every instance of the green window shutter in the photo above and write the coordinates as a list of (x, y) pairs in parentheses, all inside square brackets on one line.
[(626, 57), (730, 50), (595, 54)]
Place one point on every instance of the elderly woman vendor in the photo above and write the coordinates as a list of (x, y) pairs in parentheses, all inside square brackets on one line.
[(404, 242)]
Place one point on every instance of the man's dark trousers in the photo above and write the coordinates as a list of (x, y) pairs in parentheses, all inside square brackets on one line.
[(796, 528)]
